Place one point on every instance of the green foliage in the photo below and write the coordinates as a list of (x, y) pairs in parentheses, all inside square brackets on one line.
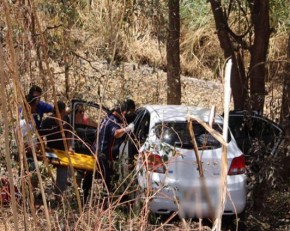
[(195, 14), (280, 14)]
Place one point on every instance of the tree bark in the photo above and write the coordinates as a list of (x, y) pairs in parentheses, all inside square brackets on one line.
[(238, 76), (285, 113), (260, 19), (173, 51)]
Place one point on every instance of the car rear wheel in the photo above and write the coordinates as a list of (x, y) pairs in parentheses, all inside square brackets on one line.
[(233, 222)]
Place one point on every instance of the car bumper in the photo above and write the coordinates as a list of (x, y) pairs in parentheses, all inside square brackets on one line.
[(195, 198)]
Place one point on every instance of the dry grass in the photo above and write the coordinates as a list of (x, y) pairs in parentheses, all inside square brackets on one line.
[(201, 54), (99, 34), (277, 46)]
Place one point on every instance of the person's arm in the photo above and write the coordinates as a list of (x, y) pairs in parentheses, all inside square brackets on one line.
[(121, 131), (25, 134)]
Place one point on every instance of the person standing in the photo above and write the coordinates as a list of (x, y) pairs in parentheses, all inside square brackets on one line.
[(81, 119), (51, 128), (112, 129)]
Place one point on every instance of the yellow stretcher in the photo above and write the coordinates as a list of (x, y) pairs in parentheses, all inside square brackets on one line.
[(78, 160)]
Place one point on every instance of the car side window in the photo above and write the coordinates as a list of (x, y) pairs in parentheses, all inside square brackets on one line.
[(266, 133), (250, 129)]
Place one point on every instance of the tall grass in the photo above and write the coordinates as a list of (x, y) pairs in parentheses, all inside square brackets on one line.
[(95, 40)]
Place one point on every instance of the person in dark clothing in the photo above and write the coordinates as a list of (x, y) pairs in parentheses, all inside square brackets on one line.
[(112, 129), (41, 106), (51, 129)]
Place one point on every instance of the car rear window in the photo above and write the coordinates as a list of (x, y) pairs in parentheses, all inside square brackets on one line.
[(177, 134)]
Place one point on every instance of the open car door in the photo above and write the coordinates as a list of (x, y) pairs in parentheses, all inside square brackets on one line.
[(250, 129), (84, 136)]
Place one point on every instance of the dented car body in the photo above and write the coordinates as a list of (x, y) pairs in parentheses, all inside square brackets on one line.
[(167, 166)]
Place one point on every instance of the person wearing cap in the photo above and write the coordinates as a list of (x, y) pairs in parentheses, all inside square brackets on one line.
[(112, 129)]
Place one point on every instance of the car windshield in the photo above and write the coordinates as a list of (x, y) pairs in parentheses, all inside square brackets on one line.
[(177, 134)]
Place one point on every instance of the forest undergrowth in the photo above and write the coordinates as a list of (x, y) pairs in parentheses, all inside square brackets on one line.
[(105, 53), (268, 191)]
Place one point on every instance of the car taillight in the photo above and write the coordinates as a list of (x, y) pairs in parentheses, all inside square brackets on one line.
[(238, 166), (153, 163)]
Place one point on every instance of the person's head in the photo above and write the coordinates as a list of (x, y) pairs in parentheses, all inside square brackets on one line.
[(130, 106), (79, 111), (61, 107), (35, 92), (126, 109)]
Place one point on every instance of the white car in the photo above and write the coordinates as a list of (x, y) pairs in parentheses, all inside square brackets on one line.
[(167, 167)]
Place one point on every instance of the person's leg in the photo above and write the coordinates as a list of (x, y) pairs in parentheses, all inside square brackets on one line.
[(61, 179), (79, 177), (105, 168), (87, 184)]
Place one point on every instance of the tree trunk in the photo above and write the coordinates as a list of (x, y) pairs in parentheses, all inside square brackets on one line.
[(285, 113), (257, 71), (238, 77), (173, 51)]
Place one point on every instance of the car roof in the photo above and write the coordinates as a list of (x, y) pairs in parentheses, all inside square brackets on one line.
[(178, 112)]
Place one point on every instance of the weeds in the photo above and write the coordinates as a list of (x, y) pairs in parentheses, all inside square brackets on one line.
[(81, 50)]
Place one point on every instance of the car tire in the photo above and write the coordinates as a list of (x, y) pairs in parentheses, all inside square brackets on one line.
[(234, 223)]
